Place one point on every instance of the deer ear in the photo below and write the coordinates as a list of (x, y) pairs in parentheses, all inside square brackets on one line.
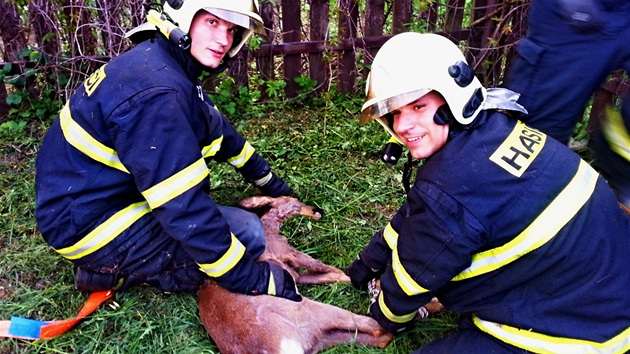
[(255, 202)]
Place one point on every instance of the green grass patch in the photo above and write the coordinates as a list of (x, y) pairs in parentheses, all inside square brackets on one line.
[(329, 161)]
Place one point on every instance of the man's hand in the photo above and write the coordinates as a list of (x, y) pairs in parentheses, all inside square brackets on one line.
[(275, 186), (277, 282), (360, 274), (281, 284)]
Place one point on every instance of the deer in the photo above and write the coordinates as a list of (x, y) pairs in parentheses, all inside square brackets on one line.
[(240, 324)]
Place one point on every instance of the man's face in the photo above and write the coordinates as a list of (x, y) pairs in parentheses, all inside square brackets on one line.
[(415, 126), (211, 38)]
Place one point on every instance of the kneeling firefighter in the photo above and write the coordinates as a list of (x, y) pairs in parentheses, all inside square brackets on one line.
[(505, 226), (122, 177)]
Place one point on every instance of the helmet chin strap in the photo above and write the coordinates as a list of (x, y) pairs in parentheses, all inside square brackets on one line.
[(407, 170)]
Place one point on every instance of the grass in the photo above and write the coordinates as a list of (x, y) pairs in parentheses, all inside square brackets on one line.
[(329, 161)]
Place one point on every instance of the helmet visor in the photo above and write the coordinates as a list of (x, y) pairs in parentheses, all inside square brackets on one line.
[(376, 107), (233, 17)]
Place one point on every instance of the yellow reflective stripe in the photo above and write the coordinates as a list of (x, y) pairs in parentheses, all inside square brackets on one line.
[(271, 290), (227, 261), (94, 80), (390, 315), (557, 214), (106, 231), (213, 148), (391, 236), (176, 184), (240, 160), (84, 142), (409, 286), (542, 343), (616, 134)]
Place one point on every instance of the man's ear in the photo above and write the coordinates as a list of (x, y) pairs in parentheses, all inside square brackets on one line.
[(444, 116)]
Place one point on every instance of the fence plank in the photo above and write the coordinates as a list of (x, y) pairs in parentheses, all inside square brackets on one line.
[(318, 68), (347, 71), (374, 21), (402, 15), (454, 15), (264, 63), (346, 44), (432, 16), (291, 32)]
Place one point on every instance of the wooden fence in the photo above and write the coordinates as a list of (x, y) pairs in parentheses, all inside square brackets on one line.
[(332, 45), (487, 29)]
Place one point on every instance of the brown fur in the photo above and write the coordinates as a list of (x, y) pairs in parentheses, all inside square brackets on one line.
[(241, 324)]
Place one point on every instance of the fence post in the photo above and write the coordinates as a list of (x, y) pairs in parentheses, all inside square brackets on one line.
[(291, 29), (265, 63), (519, 29), (402, 14), (348, 17), (318, 68), (479, 39), (374, 21), (432, 15), (238, 67), (454, 15)]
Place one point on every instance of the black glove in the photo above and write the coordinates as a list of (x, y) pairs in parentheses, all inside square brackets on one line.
[(360, 274), (275, 187), (277, 282)]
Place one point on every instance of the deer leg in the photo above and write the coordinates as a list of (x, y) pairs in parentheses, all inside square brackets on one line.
[(339, 337), (351, 328), (339, 325), (321, 278)]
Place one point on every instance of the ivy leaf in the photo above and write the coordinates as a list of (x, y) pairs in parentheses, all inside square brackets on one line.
[(14, 99)]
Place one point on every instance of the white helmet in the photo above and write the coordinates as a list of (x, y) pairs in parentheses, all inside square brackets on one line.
[(410, 65), (243, 13)]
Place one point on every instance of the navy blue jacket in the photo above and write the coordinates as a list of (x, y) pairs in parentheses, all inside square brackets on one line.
[(514, 229), (133, 141)]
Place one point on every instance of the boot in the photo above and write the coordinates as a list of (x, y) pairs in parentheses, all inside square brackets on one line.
[(85, 280)]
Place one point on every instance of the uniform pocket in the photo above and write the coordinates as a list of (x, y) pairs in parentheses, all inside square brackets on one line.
[(529, 51), (526, 70)]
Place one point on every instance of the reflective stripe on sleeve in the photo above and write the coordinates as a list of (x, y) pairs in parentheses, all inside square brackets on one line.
[(232, 256), (391, 236), (213, 148), (405, 281), (84, 142), (176, 184), (542, 343), (106, 231), (240, 160), (557, 214), (390, 315), (616, 134), (271, 289)]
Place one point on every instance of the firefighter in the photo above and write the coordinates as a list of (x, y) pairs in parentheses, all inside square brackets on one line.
[(570, 48), (122, 179), (504, 225)]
